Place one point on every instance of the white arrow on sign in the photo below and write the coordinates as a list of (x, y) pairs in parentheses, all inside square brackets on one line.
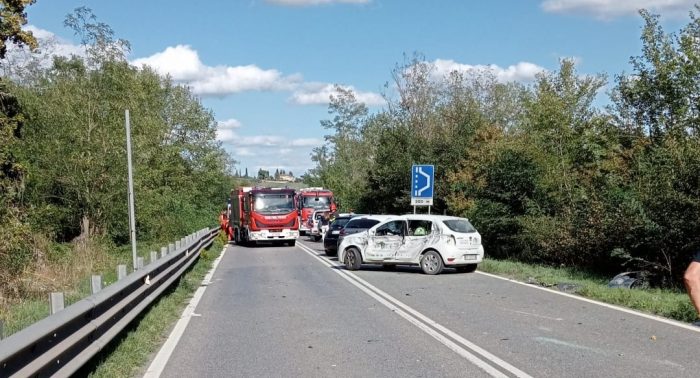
[(420, 191)]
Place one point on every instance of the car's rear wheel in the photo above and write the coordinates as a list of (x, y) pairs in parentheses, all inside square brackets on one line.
[(431, 263), (317, 238), (292, 243), (466, 268), (353, 259)]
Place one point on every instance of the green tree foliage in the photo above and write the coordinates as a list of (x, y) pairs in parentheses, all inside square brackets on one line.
[(76, 144), (15, 235), (544, 174), (263, 174), (657, 107)]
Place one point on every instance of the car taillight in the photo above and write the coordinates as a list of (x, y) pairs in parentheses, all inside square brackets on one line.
[(451, 240)]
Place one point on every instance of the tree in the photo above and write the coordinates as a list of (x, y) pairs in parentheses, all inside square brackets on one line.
[(657, 112), (12, 18), (15, 235), (263, 174)]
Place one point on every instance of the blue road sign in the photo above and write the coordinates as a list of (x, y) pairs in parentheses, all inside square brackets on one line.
[(422, 185)]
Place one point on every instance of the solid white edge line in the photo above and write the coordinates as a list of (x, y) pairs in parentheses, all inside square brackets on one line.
[(158, 365), (603, 304), (378, 295)]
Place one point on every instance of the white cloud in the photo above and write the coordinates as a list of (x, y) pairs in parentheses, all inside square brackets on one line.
[(606, 9), (302, 3), (225, 135), (224, 130), (522, 71), (306, 142), (272, 152), (229, 124), (319, 94), (50, 43), (183, 64)]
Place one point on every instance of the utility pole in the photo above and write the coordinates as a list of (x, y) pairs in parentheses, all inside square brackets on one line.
[(132, 218)]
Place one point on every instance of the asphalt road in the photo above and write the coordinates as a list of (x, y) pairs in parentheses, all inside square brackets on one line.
[(288, 311)]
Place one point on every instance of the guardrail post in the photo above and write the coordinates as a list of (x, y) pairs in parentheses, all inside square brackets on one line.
[(2, 329), (163, 251), (96, 283), (177, 245), (139, 262), (154, 256), (171, 247), (121, 271), (56, 301)]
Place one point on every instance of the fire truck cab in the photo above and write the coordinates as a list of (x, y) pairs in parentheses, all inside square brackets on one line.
[(264, 215), (310, 200)]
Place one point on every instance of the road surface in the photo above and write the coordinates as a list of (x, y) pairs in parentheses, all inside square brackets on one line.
[(291, 311)]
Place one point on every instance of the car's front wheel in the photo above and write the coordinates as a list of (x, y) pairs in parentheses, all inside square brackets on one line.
[(431, 263), (353, 259)]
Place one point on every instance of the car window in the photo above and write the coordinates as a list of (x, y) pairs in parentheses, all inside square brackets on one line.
[(419, 227), (459, 225), (361, 223), (391, 228), (339, 223)]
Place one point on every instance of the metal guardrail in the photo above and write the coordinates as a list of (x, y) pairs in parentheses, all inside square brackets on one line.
[(65, 341)]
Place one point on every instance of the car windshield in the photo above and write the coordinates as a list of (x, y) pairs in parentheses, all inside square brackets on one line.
[(317, 202), (361, 223), (273, 203), (459, 225)]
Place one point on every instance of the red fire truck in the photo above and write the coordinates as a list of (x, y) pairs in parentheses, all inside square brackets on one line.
[(309, 200), (263, 215)]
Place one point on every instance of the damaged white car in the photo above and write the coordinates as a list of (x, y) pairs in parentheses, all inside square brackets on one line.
[(430, 241)]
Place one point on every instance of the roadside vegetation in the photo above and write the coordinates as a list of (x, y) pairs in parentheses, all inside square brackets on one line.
[(546, 175), (63, 173), (667, 302)]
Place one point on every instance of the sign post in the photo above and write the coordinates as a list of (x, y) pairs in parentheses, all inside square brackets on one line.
[(422, 186)]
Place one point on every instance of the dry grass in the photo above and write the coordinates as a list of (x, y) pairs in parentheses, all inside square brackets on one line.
[(56, 268)]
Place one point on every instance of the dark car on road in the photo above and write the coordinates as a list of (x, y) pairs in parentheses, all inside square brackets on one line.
[(330, 241), (352, 225)]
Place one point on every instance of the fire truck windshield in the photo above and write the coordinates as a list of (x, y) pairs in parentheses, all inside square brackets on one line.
[(317, 202), (273, 203)]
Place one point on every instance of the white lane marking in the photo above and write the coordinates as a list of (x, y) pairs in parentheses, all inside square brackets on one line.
[(535, 315), (158, 365), (423, 322), (568, 344), (613, 307)]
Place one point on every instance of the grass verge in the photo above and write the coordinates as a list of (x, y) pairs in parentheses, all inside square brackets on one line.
[(134, 350), (666, 303), (67, 271)]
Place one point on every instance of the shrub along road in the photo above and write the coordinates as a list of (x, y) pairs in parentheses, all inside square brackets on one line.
[(290, 311)]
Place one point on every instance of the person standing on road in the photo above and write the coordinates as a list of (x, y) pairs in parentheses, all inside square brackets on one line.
[(691, 279)]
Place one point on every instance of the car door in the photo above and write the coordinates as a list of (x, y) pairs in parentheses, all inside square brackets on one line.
[(385, 240), (419, 236)]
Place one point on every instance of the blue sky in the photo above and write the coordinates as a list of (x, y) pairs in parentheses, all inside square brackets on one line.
[(265, 67)]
